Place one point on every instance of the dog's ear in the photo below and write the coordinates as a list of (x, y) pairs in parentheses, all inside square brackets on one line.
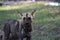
[(20, 13), (33, 12)]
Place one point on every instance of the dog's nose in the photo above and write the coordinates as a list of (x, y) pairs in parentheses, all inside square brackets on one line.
[(0, 36), (27, 22)]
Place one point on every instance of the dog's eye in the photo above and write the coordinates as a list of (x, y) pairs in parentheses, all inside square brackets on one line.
[(24, 18), (29, 18)]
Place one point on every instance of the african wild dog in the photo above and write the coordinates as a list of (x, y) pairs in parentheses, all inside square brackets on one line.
[(1, 35), (18, 30), (26, 26)]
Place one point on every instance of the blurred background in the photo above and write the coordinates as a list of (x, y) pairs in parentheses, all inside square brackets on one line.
[(46, 22)]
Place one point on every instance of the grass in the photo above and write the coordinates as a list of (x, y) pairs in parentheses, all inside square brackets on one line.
[(46, 18)]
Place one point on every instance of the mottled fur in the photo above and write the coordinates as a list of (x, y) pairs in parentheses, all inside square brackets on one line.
[(11, 29), (1, 35)]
